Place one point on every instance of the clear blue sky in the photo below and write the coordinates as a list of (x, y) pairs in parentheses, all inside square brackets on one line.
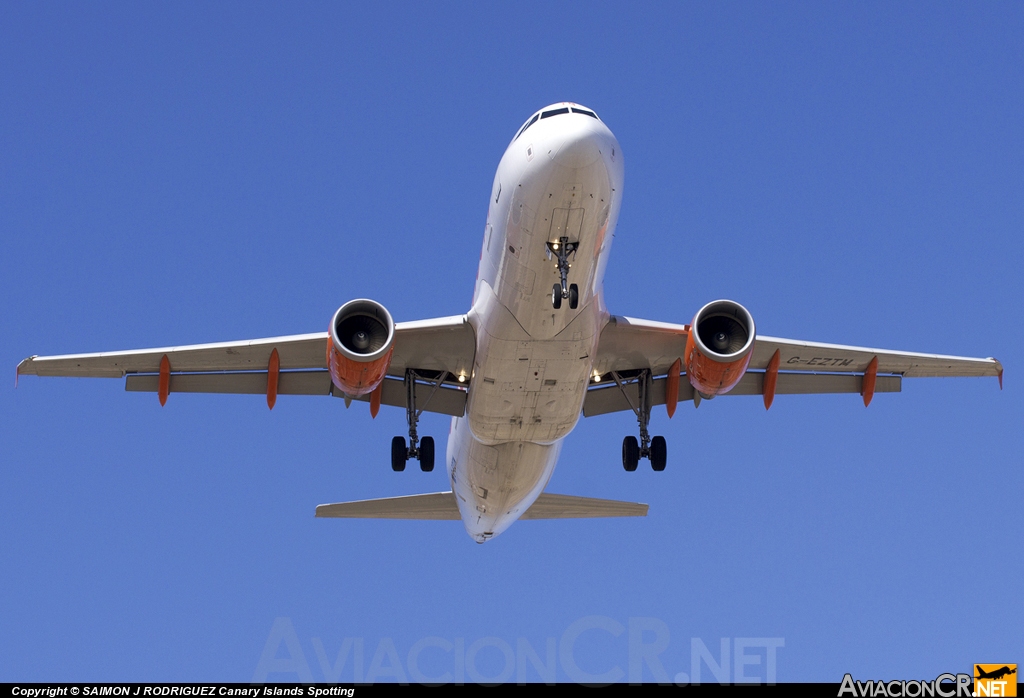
[(175, 174)]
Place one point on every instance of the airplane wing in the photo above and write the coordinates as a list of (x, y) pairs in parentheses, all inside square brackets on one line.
[(436, 345), (442, 506), (628, 346)]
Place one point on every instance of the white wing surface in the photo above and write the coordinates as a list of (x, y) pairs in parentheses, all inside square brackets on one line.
[(630, 345), (816, 357), (440, 344)]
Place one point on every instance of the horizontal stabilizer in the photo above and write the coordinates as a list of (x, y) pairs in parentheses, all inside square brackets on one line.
[(434, 506), (442, 506), (566, 506)]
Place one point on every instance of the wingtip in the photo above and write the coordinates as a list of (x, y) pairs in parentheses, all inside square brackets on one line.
[(999, 370), (18, 371)]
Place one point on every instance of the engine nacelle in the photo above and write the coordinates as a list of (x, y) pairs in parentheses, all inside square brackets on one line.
[(719, 347), (360, 345)]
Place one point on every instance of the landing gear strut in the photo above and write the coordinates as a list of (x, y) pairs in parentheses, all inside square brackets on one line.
[(653, 448), (421, 449), (563, 291)]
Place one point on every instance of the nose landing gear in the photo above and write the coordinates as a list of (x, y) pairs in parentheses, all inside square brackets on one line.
[(561, 291), (573, 294)]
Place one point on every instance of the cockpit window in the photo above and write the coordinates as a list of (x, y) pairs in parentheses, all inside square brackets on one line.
[(527, 125), (554, 112)]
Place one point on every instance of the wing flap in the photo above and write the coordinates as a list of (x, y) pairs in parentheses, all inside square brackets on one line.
[(610, 399), (250, 383), (445, 400), (815, 384)]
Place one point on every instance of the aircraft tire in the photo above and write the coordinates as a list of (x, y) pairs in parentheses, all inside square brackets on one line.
[(556, 296), (630, 453), (659, 453), (427, 454), (574, 296), (399, 454)]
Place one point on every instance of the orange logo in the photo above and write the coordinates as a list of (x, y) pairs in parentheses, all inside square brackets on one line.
[(995, 680)]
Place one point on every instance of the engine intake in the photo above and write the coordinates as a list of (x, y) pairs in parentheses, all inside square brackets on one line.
[(719, 347), (359, 349)]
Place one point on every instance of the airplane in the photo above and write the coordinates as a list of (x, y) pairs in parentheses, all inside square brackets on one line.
[(995, 674), (537, 349)]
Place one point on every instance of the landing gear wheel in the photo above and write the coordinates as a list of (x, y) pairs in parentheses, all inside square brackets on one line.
[(399, 454), (630, 453), (427, 454), (659, 453), (556, 296), (574, 296)]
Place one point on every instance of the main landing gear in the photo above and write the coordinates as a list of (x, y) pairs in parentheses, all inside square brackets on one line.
[(560, 291), (422, 449), (653, 448)]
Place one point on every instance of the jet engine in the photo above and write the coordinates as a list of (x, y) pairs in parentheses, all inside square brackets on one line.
[(719, 347), (360, 345)]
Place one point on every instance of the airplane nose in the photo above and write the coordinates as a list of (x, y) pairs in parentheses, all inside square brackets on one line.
[(580, 148)]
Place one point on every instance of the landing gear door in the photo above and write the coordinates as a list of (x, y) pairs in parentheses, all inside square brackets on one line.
[(566, 222)]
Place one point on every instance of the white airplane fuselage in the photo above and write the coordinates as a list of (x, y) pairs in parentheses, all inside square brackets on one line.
[(561, 177)]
